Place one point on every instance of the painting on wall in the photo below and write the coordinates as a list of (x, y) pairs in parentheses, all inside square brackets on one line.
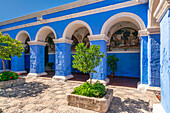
[(125, 39)]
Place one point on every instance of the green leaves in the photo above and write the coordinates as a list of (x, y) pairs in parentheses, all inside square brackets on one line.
[(14, 47), (95, 90), (8, 76), (86, 59), (112, 63)]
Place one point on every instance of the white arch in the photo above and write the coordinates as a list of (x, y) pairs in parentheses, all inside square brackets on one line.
[(5, 34), (125, 16), (22, 36), (43, 32), (70, 29)]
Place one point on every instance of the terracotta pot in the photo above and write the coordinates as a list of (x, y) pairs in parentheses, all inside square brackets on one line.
[(112, 75)]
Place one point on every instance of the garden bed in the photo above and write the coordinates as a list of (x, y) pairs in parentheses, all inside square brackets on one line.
[(91, 103), (10, 83)]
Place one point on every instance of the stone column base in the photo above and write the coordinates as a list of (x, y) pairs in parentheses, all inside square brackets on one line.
[(62, 78), (157, 108), (145, 87), (34, 75), (105, 82), (21, 72)]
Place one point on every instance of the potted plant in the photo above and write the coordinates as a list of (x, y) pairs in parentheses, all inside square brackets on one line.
[(112, 63), (89, 96), (50, 65)]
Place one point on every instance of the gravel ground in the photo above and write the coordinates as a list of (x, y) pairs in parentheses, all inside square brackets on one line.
[(42, 95)]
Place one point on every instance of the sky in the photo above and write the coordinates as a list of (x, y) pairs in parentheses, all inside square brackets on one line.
[(10, 9)]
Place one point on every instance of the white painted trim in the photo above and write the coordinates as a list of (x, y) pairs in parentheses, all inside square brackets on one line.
[(155, 30), (51, 10), (43, 32), (20, 33), (73, 26), (62, 40), (124, 16), (98, 37), (1, 71), (158, 108), (123, 51), (5, 34), (80, 14), (21, 72), (51, 53), (142, 1), (37, 43), (62, 78), (143, 32), (146, 87), (104, 82), (34, 75), (162, 8)]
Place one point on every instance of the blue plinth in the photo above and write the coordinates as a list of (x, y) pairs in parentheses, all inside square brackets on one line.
[(102, 68), (154, 60), (144, 60), (62, 59), (37, 59)]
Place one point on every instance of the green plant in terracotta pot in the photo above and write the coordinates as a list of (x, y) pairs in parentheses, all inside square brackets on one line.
[(50, 64), (112, 64)]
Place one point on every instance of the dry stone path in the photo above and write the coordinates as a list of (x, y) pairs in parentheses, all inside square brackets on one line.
[(43, 95)]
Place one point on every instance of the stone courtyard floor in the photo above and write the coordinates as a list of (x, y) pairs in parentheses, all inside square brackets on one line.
[(42, 95)]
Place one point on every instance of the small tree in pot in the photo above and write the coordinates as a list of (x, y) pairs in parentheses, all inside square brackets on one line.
[(86, 59), (112, 63)]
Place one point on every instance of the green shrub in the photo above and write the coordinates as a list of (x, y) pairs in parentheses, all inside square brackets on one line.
[(95, 90), (8, 75)]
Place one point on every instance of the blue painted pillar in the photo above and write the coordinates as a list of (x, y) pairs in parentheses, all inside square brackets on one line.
[(144, 59), (37, 59), (165, 61), (18, 64), (154, 57), (62, 59), (101, 74)]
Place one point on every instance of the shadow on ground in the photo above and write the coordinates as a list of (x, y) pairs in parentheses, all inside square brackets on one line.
[(129, 106), (31, 89)]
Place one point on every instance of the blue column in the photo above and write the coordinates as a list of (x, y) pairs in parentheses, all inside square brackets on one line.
[(154, 60), (100, 40), (165, 61), (18, 64), (62, 59), (37, 58), (144, 59)]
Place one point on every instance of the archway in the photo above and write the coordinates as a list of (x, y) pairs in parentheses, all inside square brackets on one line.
[(24, 37), (46, 34), (122, 30), (78, 31)]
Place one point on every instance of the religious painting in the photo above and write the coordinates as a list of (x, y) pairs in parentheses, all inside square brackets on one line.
[(125, 39)]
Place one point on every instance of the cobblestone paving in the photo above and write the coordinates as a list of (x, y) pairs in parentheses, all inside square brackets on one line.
[(43, 95)]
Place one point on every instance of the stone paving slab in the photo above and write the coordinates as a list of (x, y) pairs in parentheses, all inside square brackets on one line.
[(43, 95)]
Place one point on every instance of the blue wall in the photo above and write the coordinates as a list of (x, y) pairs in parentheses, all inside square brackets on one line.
[(128, 65), (165, 61), (52, 59)]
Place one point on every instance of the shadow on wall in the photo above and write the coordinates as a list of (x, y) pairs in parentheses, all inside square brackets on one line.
[(129, 106), (31, 89)]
